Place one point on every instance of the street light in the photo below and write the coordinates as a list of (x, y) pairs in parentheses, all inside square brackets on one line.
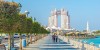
[(27, 12), (34, 19), (20, 6)]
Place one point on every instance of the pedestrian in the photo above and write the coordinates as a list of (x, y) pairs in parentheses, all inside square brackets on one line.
[(53, 38), (56, 38)]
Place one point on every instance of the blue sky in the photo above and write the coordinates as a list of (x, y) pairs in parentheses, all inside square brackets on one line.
[(80, 11)]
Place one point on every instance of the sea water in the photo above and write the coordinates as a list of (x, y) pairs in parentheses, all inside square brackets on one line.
[(96, 41)]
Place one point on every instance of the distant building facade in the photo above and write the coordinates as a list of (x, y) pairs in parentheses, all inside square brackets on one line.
[(65, 19)]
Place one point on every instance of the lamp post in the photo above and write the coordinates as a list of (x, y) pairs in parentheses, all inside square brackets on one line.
[(34, 19), (27, 12), (20, 6), (12, 42)]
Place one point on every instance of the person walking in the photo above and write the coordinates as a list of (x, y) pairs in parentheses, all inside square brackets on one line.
[(53, 38), (56, 38)]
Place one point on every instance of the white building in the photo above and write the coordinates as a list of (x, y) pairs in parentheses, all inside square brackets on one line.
[(65, 19)]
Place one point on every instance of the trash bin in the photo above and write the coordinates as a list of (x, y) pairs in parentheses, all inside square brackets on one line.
[(24, 42)]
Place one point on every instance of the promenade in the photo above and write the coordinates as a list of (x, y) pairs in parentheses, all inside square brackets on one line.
[(46, 43)]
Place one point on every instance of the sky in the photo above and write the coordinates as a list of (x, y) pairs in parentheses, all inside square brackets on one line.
[(80, 11)]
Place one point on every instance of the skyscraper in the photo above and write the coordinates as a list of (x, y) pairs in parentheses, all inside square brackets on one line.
[(65, 19), (87, 28)]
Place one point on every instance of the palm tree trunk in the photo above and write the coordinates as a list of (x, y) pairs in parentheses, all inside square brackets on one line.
[(30, 39), (1, 39), (34, 37), (9, 42), (20, 42), (12, 41), (27, 39)]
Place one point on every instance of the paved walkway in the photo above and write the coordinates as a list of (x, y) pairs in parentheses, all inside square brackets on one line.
[(46, 43)]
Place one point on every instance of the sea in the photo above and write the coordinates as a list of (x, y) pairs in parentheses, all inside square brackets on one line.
[(95, 41)]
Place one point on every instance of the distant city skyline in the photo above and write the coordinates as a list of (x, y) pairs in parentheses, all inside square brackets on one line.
[(80, 11)]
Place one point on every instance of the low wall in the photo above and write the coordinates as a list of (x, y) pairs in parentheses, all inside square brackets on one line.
[(77, 44)]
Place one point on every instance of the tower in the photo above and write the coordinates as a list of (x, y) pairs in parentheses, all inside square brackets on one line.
[(55, 18), (65, 19), (49, 22), (52, 18), (68, 20), (62, 18), (87, 28)]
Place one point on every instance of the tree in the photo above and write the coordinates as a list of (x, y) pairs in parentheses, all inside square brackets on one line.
[(8, 17), (21, 27), (98, 31), (43, 30), (37, 29), (28, 28)]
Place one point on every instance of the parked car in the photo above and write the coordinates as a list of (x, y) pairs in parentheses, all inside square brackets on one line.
[(23, 35), (6, 36), (2, 47), (16, 35)]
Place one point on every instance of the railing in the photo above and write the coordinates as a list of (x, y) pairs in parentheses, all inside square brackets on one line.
[(80, 44)]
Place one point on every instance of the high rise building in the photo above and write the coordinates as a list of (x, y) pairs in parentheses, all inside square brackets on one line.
[(65, 19), (87, 28)]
